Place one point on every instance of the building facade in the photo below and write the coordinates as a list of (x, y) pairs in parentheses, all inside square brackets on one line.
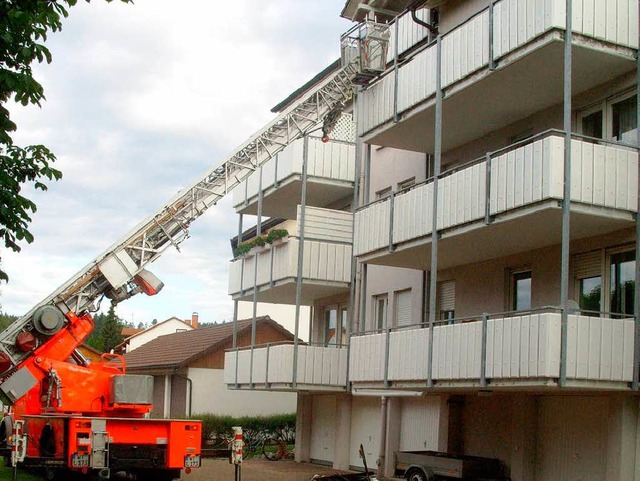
[(473, 281)]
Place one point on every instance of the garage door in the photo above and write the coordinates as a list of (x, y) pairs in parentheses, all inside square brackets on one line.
[(365, 430), (571, 438), (323, 427), (419, 424)]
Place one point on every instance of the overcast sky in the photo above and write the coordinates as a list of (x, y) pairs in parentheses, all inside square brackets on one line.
[(142, 99)]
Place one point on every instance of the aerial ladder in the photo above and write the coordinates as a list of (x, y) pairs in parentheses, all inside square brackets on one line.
[(91, 416)]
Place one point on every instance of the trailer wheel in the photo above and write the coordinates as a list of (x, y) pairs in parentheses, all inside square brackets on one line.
[(418, 474)]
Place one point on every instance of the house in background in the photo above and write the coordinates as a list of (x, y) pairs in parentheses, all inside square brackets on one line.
[(188, 370), (170, 326)]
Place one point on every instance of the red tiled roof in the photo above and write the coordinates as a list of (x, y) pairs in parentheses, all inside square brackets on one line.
[(130, 331), (181, 348)]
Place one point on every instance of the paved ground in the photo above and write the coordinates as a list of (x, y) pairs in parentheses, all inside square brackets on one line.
[(256, 470)]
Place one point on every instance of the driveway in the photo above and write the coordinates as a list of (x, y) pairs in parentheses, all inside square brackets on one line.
[(256, 470)]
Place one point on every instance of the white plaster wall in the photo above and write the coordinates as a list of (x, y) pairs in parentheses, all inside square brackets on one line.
[(210, 395), (169, 326)]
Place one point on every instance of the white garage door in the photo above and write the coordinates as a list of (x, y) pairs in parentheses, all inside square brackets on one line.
[(419, 424), (365, 430), (571, 438), (323, 427)]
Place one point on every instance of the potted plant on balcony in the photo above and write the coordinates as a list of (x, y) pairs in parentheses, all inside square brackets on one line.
[(276, 236)]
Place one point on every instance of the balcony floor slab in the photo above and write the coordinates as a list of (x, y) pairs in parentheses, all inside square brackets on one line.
[(284, 291), (523, 230)]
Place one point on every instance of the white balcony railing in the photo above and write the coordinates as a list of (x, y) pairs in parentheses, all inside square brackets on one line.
[(323, 367), (517, 347), (327, 253), (334, 160), (467, 48), (603, 174)]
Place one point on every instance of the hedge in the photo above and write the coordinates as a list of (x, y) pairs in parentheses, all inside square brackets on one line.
[(217, 430)]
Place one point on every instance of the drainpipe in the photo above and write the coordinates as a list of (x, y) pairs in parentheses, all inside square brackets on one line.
[(255, 281), (383, 434), (412, 8)]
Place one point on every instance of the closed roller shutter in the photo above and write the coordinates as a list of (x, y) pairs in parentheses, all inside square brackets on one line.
[(446, 296), (323, 427), (587, 265), (419, 424), (572, 438), (404, 314)]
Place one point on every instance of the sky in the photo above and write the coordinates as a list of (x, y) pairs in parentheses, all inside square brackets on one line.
[(141, 100)]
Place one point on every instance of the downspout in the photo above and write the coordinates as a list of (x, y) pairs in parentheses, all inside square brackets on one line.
[(412, 8)]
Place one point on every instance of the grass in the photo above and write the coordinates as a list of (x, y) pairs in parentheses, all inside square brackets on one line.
[(6, 474)]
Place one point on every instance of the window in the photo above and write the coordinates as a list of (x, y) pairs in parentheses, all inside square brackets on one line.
[(384, 193), (405, 184), (614, 119), (446, 297), (622, 282), (330, 326), (403, 312), (380, 311), (521, 290), (587, 269)]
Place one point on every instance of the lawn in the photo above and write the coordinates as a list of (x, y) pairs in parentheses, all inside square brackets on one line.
[(6, 474)]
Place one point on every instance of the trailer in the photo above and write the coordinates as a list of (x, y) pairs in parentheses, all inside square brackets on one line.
[(430, 465)]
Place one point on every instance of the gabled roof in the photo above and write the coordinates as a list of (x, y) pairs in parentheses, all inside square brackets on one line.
[(130, 331), (173, 351)]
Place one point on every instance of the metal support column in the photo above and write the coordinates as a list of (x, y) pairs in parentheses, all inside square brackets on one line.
[(566, 201), (255, 280), (487, 188), (303, 204), (483, 351), (396, 118), (433, 281), (363, 299), (492, 61), (635, 383), (236, 302), (367, 175), (354, 261)]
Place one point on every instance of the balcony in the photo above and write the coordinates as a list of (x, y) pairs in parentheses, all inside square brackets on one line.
[(484, 62), (318, 368), (507, 202), (326, 263), (330, 175), (520, 348)]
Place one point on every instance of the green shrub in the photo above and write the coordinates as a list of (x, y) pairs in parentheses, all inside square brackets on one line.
[(217, 430), (272, 236)]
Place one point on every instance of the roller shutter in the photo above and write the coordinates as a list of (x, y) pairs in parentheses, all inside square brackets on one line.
[(403, 311)]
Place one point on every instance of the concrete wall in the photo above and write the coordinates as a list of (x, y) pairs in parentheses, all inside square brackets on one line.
[(210, 395)]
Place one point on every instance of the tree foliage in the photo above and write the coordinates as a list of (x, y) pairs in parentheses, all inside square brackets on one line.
[(24, 26), (111, 331)]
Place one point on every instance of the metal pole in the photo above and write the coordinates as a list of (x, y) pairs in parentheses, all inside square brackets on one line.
[(387, 343), (434, 222), (483, 352), (635, 383), (236, 302), (487, 187), (354, 261), (367, 175), (303, 204), (395, 73), (492, 62), (255, 280), (391, 209), (566, 202), (362, 311)]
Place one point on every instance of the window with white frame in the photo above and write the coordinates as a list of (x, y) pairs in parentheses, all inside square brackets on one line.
[(612, 119), (380, 311), (405, 184), (403, 312), (521, 290), (587, 268)]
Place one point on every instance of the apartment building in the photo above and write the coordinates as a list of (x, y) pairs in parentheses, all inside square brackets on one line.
[(496, 317)]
